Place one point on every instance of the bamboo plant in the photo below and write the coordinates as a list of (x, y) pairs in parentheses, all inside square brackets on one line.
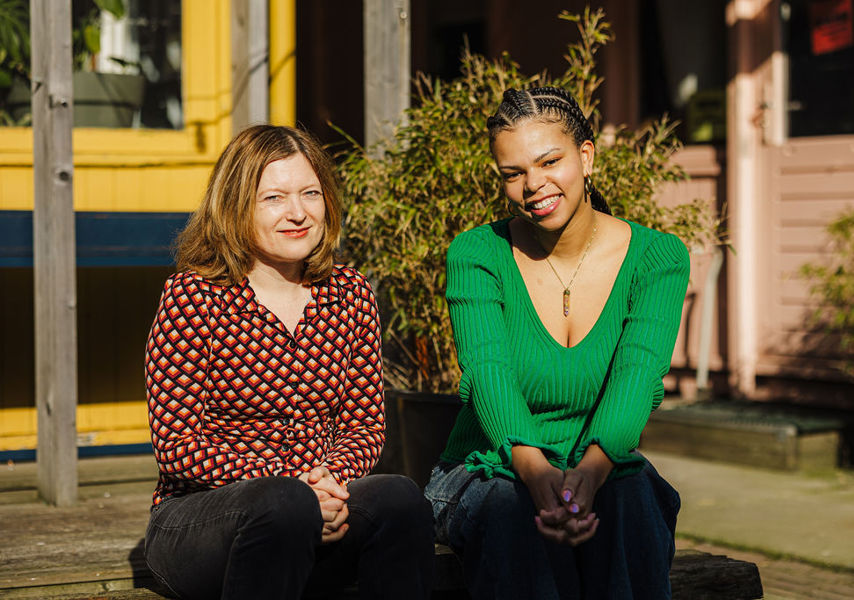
[(407, 200)]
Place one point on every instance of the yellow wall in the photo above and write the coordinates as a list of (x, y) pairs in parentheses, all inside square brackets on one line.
[(131, 170)]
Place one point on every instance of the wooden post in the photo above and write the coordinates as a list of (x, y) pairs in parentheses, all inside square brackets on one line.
[(743, 141), (53, 251), (249, 63), (387, 68)]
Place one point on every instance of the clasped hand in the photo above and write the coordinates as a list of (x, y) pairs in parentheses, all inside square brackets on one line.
[(333, 503), (563, 499)]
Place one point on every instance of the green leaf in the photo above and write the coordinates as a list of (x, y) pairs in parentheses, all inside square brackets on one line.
[(114, 7), (92, 38)]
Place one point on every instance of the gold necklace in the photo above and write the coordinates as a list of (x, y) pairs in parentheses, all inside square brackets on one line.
[(566, 292)]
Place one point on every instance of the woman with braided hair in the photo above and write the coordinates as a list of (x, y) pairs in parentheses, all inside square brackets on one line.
[(565, 319)]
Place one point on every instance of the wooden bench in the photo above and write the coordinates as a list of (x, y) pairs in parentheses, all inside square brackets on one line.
[(694, 576), (94, 550)]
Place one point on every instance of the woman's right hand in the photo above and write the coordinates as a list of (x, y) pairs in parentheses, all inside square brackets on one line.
[(332, 497)]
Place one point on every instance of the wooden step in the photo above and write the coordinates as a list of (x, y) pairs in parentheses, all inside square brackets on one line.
[(693, 575), (750, 434), (94, 550)]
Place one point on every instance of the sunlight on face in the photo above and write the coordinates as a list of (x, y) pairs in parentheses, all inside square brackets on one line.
[(543, 171), (289, 211)]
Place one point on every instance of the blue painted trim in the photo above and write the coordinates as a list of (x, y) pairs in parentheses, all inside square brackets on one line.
[(82, 452), (104, 239)]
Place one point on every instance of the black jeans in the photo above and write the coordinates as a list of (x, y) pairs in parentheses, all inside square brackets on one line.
[(260, 538)]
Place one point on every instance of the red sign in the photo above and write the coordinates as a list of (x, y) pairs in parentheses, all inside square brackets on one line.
[(831, 25)]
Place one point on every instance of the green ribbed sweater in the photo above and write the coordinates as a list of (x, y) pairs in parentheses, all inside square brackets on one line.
[(520, 386)]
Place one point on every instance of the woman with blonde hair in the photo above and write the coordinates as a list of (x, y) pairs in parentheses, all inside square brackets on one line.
[(265, 395)]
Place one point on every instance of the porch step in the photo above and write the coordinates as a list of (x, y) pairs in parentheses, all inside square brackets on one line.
[(755, 434), (693, 575)]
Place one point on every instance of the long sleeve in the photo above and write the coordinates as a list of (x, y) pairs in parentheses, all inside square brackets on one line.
[(488, 382), (176, 365), (360, 419), (634, 387)]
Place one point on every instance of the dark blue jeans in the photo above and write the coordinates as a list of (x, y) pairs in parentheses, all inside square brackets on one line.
[(260, 539), (490, 524)]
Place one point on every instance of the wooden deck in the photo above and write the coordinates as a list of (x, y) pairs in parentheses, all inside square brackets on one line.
[(94, 550), (80, 551)]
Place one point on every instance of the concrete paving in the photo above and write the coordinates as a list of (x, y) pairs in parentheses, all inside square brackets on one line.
[(802, 516)]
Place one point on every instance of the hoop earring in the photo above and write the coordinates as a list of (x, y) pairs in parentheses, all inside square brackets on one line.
[(587, 188)]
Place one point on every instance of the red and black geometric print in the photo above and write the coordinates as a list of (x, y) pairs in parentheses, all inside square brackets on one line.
[(232, 394)]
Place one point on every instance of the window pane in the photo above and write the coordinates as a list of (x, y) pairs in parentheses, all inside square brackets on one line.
[(683, 66), (820, 45), (147, 42), (127, 70)]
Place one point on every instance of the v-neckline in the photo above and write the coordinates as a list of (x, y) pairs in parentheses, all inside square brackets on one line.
[(529, 303), (272, 318)]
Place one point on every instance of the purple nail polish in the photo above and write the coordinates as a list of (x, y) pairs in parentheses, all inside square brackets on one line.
[(566, 495), (573, 508)]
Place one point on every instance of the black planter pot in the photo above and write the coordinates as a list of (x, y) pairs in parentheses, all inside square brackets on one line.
[(418, 425)]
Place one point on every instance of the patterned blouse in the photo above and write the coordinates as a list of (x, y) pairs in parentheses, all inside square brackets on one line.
[(232, 394)]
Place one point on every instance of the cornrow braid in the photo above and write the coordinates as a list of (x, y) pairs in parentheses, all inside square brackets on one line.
[(515, 105), (552, 104)]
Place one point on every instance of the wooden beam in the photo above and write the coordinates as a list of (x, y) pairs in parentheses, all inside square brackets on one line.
[(249, 63), (387, 68), (743, 148), (53, 251)]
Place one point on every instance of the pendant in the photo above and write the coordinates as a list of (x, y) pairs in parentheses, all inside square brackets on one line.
[(566, 302)]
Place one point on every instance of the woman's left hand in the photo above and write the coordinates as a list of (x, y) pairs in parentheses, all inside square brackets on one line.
[(319, 478), (576, 496), (578, 491), (572, 522)]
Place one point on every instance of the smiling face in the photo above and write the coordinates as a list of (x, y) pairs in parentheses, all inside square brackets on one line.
[(543, 171), (289, 212)]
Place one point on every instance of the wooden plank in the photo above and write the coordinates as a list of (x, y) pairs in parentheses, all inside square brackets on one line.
[(112, 591), (817, 154), (387, 70), (694, 575), (249, 64), (799, 210), (95, 541), (770, 447), (92, 473), (700, 160), (53, 251), (701, 576)]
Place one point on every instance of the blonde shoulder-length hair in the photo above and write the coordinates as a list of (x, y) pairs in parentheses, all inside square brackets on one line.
[(219, 239)]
